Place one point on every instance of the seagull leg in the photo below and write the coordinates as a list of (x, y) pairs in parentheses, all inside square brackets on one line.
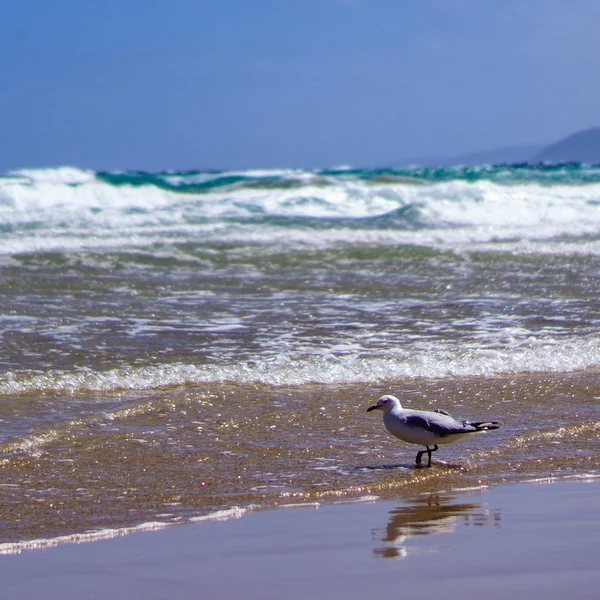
[(429, 451), (419, 457), (421, 452)]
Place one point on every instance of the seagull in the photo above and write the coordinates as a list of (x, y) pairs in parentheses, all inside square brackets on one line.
[(424, 427)]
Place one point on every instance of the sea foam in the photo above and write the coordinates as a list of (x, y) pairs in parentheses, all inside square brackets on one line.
[(440, 361), (439, 203)]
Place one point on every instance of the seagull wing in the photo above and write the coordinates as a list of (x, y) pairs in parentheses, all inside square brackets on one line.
[(440, 424)]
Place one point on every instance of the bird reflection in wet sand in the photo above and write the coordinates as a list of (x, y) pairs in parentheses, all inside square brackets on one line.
[(430, 515)]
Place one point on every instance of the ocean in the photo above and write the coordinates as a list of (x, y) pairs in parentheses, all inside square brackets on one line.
[(181, 346)]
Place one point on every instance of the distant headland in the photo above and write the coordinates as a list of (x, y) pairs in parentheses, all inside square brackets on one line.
[(582, 146)]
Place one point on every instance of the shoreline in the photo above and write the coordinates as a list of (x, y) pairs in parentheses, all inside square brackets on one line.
[(511, 538)]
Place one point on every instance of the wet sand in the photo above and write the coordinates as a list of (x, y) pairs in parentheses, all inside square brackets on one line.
[(502, 542)]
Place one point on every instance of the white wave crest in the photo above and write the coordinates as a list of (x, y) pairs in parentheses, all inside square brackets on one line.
[(443, 360), (68, 209), (455, 202)]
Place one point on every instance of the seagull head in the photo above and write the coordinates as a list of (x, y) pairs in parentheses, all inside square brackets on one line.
[(386, 403)]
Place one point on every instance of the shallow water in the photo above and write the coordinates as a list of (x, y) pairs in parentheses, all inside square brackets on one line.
[(178, 346), (182, 453)]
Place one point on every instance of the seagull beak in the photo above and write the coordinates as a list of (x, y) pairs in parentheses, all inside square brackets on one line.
[(372, 407)]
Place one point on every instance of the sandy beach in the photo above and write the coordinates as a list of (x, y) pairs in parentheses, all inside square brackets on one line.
[(501, 542)]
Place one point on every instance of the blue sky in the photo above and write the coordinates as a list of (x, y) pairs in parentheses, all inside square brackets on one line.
[(197, 84)]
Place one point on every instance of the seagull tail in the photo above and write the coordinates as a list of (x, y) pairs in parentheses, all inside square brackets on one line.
[(486, 425)]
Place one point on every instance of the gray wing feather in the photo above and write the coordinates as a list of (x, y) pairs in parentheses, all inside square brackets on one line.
[(437, 428)]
